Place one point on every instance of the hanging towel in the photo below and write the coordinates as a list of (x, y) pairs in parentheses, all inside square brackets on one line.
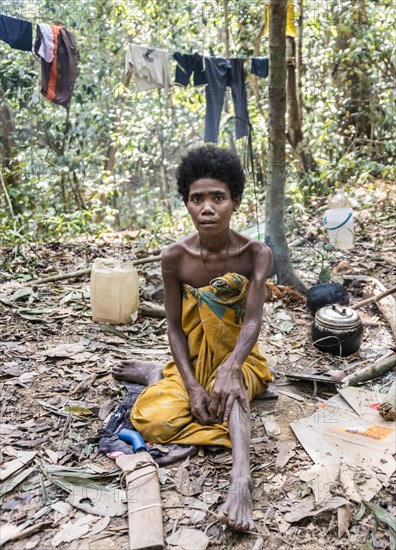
[(46, 50), (149, 66), (59, 76), (259, 66), (16, 33), (188, 64), (222, 72), (290, 26)]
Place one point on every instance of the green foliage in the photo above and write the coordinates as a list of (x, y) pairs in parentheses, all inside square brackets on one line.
[(62, 180), (350, 113)]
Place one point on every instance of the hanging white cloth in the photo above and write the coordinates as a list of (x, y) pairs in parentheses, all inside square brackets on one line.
[(149, 66)]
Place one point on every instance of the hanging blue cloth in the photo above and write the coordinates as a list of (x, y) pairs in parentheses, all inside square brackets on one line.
[(188, 64), (222, 72), (16, 33), (259, 66)]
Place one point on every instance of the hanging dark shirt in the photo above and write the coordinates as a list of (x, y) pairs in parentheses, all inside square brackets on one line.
[(16, 33), (188, 64), (59, 76)]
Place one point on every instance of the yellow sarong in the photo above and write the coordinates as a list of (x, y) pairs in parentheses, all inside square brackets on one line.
[(212, 318)]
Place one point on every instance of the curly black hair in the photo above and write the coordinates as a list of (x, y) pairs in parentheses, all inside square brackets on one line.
[(210, 162)]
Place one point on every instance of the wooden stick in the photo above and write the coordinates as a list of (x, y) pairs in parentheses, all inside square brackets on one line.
[(3, 185), (373, 371), (152, 310), (32, 529), (387, 306), (144, 501), (82, 272), (374, 298)]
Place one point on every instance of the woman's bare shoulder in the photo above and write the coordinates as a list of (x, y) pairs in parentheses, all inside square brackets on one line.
[(243, 243), (180, 249)]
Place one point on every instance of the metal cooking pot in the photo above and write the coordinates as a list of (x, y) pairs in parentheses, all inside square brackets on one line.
[(337, 330)]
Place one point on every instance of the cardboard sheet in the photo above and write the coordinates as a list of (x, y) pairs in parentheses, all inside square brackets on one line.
[(360, 445)]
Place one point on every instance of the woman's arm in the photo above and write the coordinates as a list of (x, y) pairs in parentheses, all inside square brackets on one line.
[(199, 398), (229, 380)]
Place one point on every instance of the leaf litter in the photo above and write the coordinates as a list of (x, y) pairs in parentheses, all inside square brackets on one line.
[(57, 391)]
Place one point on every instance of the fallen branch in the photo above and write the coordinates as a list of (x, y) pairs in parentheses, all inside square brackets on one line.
[(373, 371), (387, 306), (152, 310), (374, 298), (87, 271)]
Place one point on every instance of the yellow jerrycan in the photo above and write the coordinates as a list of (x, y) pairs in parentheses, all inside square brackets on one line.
[(114, 291)]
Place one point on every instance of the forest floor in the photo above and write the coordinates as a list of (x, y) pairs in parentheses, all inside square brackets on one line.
[(57, 391)]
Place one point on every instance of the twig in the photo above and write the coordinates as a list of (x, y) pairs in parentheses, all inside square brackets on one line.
[(186, 508), (82, 272), (387, 306), (265, 520), (32, 529), (3, 185)]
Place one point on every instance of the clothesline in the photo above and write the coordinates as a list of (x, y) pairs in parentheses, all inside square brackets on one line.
[(57, 49), (149, 68)]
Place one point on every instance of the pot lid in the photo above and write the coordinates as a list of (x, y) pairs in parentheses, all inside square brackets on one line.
[(338, 316)]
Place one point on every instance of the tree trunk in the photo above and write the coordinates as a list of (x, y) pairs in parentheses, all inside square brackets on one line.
[(300, 64), (9, 162), (294, 131), (274, 206)]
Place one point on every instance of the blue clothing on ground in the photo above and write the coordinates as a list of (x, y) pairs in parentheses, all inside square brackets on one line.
[(16, 32), (259, 66), (188, 64), (222, 72)]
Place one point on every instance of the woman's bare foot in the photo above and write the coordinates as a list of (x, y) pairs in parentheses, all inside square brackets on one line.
[(140, 372), (237, 510)]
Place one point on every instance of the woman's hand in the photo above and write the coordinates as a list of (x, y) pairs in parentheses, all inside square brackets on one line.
[(200, 402), (228, 386)]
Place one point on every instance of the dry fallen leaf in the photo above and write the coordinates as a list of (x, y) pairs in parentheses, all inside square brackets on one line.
[(344, 517), (98, 527), (73, 531), (306, 509), (24, 457), (188, 539), (186, 486), (85, 384), (285, 453)]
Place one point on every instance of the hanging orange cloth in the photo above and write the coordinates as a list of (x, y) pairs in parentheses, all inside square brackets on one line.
[(290, 27)]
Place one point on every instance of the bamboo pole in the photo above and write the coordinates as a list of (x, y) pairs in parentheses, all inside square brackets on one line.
[(144, 501), (368, 373)]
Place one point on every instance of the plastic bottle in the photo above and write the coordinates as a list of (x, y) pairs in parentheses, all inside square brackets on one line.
[(338, 220), (114, 291), (339, 200)]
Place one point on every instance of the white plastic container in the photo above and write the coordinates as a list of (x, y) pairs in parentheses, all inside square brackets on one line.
[(338, 220), (114, 291), (339, 225)]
